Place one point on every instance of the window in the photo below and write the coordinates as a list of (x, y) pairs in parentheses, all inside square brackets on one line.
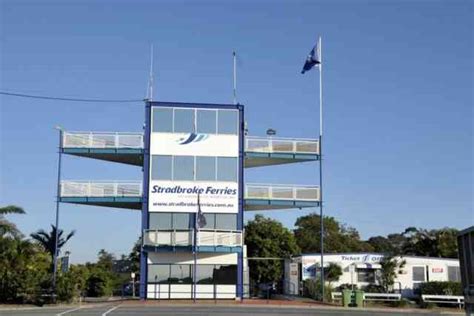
[(206, 121), (160, 221), (167, 221), (162, 120), (418, 274), (227, 122), (225, 274), (210, 220), (454, 274), (181, 221), (183, 168), (365, 275), (161, 167), (206, 168), (180, 274), (184, 120), (158, 273), (226, 169), (226, 221), (205, 274)]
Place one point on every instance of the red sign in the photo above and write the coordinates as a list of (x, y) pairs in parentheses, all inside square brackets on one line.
[(437, 270)]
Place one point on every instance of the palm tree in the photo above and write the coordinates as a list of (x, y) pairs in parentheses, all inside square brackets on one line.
[(48, 240), (7, 227)]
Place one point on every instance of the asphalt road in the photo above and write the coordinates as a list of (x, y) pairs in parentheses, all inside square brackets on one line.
[(122, 310)]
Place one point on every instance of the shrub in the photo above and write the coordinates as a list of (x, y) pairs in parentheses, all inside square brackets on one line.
[(99, 284), (345, 286), (374, 288), (440, 288), (312, 289)]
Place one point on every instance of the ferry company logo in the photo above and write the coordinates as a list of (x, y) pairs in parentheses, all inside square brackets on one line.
[(192, 138)]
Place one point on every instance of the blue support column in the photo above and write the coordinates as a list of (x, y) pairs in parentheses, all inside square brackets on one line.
[(146, 175), (240, 215)]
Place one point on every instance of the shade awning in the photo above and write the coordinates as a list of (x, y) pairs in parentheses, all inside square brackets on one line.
[(368, 266)]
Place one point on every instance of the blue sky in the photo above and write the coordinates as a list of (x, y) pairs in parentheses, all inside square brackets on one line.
[(398, 78)]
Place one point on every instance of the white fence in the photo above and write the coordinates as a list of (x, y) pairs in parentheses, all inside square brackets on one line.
[(281, 145), (134, 188), (101, 189), (386, 297), (282, 192), (444, 299), (102, 140), (185, 237)]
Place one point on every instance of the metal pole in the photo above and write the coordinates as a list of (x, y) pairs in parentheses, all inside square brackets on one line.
[(235, 76), (321, 166), (55, 263)]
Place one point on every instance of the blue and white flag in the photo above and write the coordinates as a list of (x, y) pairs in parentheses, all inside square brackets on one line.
[(313, 59)]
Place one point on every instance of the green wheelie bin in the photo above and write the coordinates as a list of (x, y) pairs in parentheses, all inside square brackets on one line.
[(359, 298), (346, 297)]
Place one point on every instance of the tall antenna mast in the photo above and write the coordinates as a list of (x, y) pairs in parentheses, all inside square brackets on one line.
[(150, 80), (234, 57)]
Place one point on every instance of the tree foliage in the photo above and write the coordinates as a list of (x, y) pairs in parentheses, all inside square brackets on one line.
[(267, 238), (7, 227), (48, 240), (390, 268), (337, 237)]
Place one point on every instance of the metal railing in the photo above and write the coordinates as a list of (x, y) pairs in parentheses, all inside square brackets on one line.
[(102, 140), (281, 145), (185, 237), (134, 189), (282, 192), (135, 140), (101, 189)]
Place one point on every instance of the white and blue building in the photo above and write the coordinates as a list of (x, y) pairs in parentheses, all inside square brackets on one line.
[(188, 150)]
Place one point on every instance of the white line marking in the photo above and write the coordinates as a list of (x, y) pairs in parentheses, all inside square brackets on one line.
[(110, 310), (69, 311)]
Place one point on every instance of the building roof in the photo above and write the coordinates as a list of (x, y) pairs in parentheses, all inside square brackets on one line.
[(375, 254)]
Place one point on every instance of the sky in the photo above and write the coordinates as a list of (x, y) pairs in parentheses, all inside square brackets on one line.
[(398, 101)]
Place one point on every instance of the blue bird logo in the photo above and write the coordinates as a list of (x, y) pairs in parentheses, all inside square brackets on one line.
[(192, 138)]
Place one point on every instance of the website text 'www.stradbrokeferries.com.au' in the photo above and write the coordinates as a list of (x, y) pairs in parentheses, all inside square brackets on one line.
[(184, 204)]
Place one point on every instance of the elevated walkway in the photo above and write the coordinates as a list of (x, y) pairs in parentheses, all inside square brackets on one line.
[(128, 195), (127, 148)]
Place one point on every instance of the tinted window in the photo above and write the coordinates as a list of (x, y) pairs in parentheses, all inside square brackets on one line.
[(162, 120), (227, 122), (158, 273), (366, 275), (226, 169), (183, 121), (160, 221), (210, 220), (183, 168), (225, 274), (226, 221), (180, 274), (454, 274), (419, 274), (206, 121), (205, 274), (181, 221), (206, 168), (161, 168)]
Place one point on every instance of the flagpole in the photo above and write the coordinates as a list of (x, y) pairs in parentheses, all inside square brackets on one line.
[(321, 165)]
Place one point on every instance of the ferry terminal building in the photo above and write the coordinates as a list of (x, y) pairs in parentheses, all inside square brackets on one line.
[(188, 150)]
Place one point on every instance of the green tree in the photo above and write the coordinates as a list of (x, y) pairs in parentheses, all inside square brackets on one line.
[(7, 227), (134, 256), (267, 238), (390, 268), (48, 240), (332, 273), (430, 243), (337, 237), (106, 260), (23, 270)]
